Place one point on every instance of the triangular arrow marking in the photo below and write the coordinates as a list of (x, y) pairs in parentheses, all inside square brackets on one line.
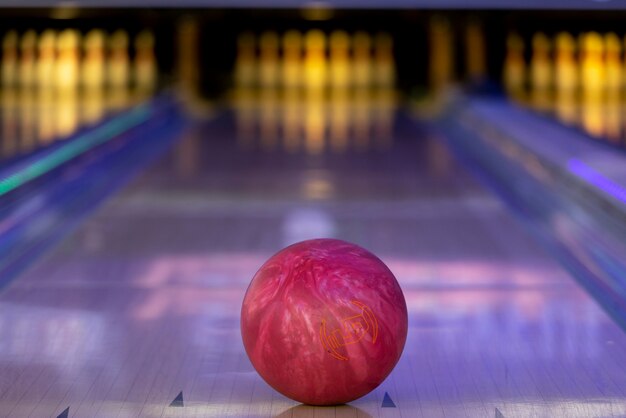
[(499, 414), (65, 413), (387, 402), (178, 401)]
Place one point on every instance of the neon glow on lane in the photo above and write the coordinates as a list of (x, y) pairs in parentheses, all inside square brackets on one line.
[(76, 147)]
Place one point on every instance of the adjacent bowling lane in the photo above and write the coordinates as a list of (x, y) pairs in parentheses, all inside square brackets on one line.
[(137, 312)]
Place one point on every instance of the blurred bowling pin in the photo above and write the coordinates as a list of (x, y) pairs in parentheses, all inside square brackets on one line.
[(339, 65), (475, 54), (541, 72), (68, 60), (292, 59), (92, 67), (315, 59), (384, 65), (93, 76), (362, 60), (28, 54), (66, 82), (46, 60), (118, 71), (46, 76), (245, 62), (514, 72), (26, 96), (566, 78), (9, 59), (566, 74), (145, 66), (540, 63), (592, 80), (612, 63), (441, 53), (268, 60), (613, 86), (591, 64)]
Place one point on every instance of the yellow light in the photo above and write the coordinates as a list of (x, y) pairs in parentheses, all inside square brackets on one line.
[(317, 11)]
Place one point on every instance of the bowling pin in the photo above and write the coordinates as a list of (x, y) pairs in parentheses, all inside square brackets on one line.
[(9, 59), (612, 64), (93, 76), (591, 64), (339, 63), (67, 80), (315, 59), (592, 80), (541, 72), (475, 54), (362, 60), (246, 61), (46, 59), (26, 96), (28, 54), (188, 63), (145, 65), (269, 71), (540, 63), (613, 87), (566, 75), (68, 60), (93, 63), (46, 101), (384, 64), (292, 59), (118, 70), (441, 51), (566, 78), (514, 71)]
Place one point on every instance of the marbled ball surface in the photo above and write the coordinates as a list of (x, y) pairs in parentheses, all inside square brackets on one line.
[(324, 321)]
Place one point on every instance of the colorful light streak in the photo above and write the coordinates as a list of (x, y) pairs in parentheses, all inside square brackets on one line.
[(596, 179), (76, 147)]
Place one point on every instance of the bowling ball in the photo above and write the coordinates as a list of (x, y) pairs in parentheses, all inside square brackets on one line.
[(324, 321)]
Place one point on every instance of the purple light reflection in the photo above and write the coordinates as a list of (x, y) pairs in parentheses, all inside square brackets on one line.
[(596, 179)]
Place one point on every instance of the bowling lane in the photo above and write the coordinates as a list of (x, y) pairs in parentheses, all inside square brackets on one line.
[(137, 312)]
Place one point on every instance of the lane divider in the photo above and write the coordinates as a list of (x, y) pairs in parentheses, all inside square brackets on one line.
[(76, 147)]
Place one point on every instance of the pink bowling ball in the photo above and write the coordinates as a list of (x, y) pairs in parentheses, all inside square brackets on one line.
[(324, 321)]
